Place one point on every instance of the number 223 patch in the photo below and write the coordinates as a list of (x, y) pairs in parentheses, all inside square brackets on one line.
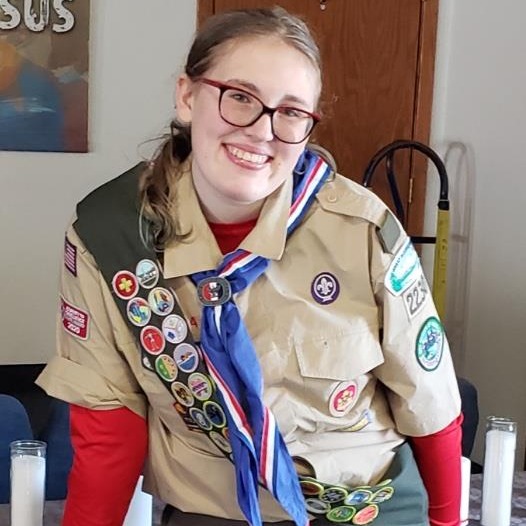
[(416, 297)]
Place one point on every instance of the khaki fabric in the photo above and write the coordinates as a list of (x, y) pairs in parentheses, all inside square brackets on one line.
[(308, 350)]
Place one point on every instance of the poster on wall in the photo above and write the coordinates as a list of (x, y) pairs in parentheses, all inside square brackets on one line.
[(44, 75)]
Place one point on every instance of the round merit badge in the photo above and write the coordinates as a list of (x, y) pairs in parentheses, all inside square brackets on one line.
[(366, 515), (317, 506), (325, 288), (220, 441), (125, 284), (214, 291), (382, 494), (166, 368), (152, 339), (429, 344), (147, 273), (174, 328), (161, 301), (138, 311), (186, 357), (341, 514), (358, 496), (215, 413), (182, 394), (200, 419), (311, 487), (200, 385), (342, 398), (334, 494)]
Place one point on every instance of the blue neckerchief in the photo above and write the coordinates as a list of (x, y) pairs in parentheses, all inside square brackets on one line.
[(259, 451)]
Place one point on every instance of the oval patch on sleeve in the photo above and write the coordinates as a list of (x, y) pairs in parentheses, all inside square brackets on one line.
[(403, 270), (429, 344)]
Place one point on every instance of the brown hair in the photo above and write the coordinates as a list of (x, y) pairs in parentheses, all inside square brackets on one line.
[(157, 185)]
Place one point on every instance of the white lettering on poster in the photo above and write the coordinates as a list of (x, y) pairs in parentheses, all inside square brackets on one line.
[(10, 16)]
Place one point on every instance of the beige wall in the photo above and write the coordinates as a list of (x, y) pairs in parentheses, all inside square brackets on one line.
[(478, 125)]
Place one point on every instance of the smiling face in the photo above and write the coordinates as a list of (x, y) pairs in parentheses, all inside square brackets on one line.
[(235, 169)]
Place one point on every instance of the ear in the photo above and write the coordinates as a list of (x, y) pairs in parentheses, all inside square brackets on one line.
[(184, 93)]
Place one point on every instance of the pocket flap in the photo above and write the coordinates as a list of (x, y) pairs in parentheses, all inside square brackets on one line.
[(340, 357)]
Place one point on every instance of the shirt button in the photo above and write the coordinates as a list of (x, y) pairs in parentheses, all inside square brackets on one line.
[(332, 198)]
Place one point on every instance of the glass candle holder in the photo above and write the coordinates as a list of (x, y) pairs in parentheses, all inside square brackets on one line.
[(28, 476), (499, 461)]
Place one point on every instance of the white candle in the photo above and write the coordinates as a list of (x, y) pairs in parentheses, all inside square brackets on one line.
[(140, 510), (28, 474), (497, 486), (464, 495)]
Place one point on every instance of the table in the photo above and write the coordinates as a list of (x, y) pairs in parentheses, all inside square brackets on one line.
[(53, 509)]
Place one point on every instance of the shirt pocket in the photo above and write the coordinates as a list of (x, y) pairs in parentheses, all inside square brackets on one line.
[(343, 354)]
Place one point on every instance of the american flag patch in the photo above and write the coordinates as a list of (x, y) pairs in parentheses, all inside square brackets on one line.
[(70, 256)]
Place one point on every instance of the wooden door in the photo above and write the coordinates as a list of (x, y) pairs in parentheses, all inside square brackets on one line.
[(378, 59)]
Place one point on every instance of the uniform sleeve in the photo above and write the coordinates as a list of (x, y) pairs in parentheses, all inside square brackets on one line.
[(90, 368), (417, 370)]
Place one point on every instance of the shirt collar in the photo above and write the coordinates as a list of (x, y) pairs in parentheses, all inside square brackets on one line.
[(199, 250)]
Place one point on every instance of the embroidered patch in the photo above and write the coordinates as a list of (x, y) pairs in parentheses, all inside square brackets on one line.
[(341, 514), (342, 398), (200, 419), (429, 344), (174, 328), (147, 273), (70, 256), (367, 515), (403, 270), (161, 301), (382, 495), (220, 441), (416, 296), (186, 357), (152, 340), (358, 496), (311, 487), (325, 288), (166, 368), (317, 506), (182, 394), (125, 284), (334, 494), (200, 386), (138, 311), (75, 321), (214, 412)]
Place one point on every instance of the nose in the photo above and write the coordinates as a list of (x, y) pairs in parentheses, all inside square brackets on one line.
[(261, 130)]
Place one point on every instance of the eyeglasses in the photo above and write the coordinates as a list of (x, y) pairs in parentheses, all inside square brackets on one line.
[(241, 108)]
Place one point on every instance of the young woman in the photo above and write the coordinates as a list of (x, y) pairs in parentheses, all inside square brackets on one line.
[(247, 328)]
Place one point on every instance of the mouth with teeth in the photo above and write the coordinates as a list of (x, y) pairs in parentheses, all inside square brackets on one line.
[(245, 158)]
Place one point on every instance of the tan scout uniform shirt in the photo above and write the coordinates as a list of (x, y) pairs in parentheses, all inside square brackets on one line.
[(309, 351)]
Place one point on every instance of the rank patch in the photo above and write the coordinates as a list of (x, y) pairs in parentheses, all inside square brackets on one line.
[(70, 256), (404, 269), (342, 398), (325, 288), (75, 321), (430, 344)]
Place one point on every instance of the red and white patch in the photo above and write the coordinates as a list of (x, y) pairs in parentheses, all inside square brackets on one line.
[(342, 398), (125, 284), (70, 256), (75, 321)]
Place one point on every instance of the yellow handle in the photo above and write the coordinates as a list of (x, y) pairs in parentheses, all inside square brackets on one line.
[(440, 262)]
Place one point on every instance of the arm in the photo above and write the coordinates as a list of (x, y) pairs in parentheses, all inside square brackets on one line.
[(109, 452), (95, 370), (438, 458)]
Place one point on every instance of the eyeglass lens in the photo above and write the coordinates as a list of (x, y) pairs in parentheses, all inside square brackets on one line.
[(288, 124)]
